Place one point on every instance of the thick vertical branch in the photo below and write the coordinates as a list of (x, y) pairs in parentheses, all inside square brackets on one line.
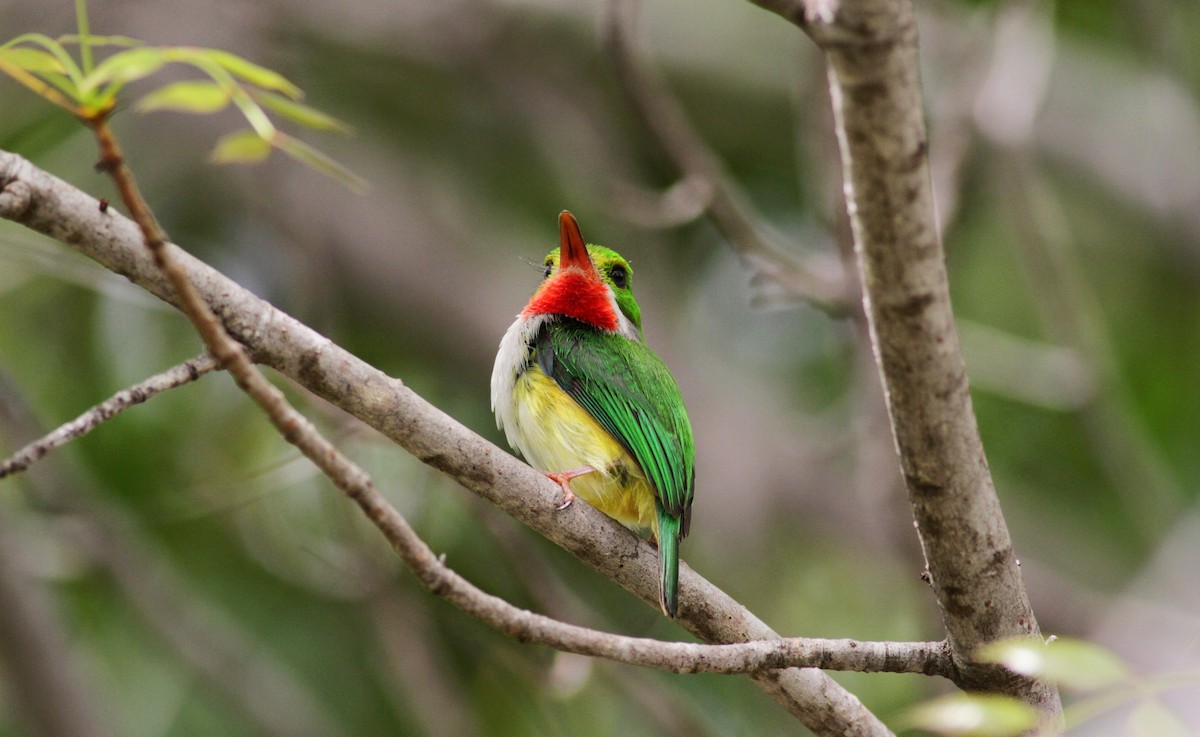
[(871, 53), (876, 94)]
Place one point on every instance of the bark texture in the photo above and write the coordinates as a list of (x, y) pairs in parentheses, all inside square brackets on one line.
[(875, 86)]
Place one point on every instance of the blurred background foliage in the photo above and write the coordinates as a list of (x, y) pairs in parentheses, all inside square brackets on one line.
[(194, 564)]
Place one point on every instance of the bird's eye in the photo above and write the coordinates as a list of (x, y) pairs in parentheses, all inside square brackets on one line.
[(619, 276), (549, 268)]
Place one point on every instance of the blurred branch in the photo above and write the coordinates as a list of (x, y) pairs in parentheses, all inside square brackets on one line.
[(1042, 374), (1013, 92), (705, 186), (179, 375), (53, 207), (874, 79), (1007, 108), (546, 586), (1071, 312), (48, 691), (228, 659), (36, 255), (408, 649)]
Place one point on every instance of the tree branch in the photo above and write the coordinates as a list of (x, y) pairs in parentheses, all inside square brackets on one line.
[(871, 54), (53, 207), (179, 375), (705, 177)]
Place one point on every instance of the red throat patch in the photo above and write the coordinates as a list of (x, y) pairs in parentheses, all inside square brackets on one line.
[(573, 294)]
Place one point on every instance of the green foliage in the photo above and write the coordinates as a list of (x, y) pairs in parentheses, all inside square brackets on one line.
[(289, 108), (188, 97), (89, 90), (1102, 682), (1072, 664), (241, 147), (973, 715), (1150, 718)]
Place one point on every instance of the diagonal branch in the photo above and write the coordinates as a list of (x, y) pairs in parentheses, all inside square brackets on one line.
[(179, 375), (705, 177), (55, 208)]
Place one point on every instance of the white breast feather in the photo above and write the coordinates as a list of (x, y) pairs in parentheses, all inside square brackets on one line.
[(516, 351)]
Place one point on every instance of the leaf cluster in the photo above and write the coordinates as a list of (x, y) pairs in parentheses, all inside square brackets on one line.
[(89, 89)]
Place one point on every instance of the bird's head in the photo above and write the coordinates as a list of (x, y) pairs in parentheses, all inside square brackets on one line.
[(589, 283)]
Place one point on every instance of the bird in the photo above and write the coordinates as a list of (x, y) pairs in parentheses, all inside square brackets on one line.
[(577, 391)]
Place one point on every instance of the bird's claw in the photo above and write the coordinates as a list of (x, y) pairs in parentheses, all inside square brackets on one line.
[(563, 479)]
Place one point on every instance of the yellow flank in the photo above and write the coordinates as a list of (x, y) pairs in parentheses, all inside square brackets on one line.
[(559, 435)]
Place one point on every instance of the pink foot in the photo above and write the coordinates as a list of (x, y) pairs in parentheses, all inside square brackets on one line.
[(563, 479)]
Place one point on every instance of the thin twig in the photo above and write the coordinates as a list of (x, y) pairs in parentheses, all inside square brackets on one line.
[(667, 710), (175, 376)]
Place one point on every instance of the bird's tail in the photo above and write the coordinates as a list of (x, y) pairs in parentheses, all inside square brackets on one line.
[(669, 529)]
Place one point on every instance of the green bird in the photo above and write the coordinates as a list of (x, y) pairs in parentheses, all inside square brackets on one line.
[(581, 396)]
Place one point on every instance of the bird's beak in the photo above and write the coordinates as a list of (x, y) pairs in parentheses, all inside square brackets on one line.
[(572, 250)]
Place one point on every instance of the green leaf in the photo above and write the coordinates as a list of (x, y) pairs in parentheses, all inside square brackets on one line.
[(42, 134), (1068, 662), (52, 47), (85, 38), (1152, 719), (124, 67), (61, 82), (74, 38), (43, 84), (299, 113), (189, 97), (973, 715), (252, 73), (33, 60), (240, 147), (309, 156)]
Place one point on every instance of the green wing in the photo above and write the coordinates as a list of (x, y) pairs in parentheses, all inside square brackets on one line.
[(630, 392)]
